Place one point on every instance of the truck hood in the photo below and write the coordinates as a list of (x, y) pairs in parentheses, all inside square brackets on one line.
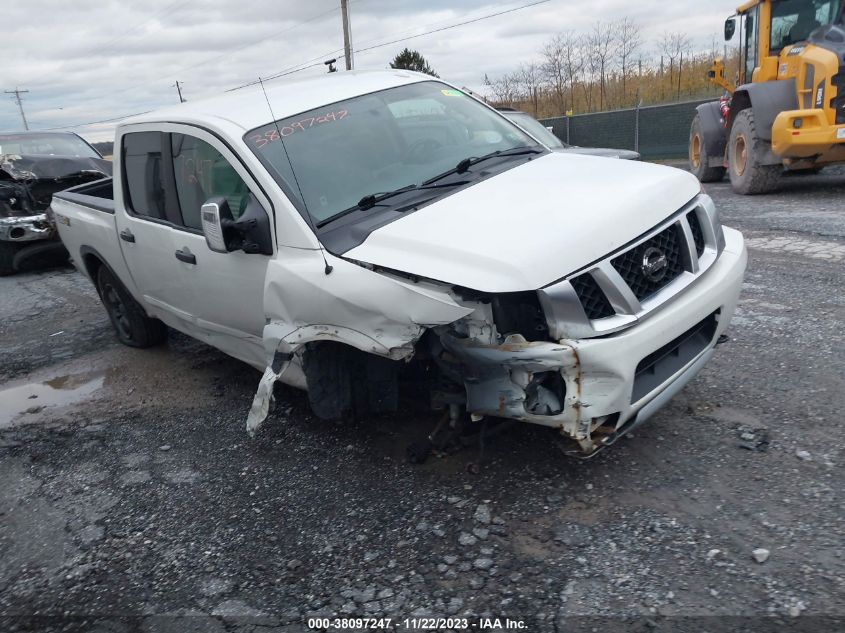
[(532, 225)]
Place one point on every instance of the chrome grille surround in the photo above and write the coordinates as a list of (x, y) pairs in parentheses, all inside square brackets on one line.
[(566, 314)]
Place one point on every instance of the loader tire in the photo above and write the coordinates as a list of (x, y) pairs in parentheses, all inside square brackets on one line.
[(699, 159), (748, 176), (8, 250), (133, 327)]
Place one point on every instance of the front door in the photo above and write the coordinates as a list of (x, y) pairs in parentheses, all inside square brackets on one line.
[(227, 288)]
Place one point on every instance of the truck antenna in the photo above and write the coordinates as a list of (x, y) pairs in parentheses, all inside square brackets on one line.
[(308, 217)]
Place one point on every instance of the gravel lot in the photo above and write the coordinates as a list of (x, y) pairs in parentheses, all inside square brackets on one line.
[(133, 500)]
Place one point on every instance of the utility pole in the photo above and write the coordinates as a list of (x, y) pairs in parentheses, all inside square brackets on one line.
[(179, 90), (17, 92), (347, 35)]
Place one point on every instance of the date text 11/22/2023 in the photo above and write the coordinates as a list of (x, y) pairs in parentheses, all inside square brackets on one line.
[(417, 624)]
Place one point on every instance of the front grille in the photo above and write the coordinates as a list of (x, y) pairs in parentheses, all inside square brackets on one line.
[(592, 298), (697, 234), (838, 102), (669, 242)]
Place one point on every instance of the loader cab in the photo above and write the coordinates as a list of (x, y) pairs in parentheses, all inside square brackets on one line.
[(767, 27), (794, 20)]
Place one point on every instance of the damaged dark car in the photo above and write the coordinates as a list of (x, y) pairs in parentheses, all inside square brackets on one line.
[(34, 166)]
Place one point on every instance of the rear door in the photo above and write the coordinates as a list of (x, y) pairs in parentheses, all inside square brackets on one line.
[(146, 226)]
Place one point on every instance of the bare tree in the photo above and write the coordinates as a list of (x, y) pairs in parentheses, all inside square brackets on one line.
[(673, 46), (529, 78), (504, 90), (628, 43), (573, 61), (601, 53), (555, 69)]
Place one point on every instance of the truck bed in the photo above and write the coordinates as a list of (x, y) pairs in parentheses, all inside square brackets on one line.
[(84, 217), (97, 195)]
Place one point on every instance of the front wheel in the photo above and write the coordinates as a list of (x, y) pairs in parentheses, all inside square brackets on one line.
[(699, 159), (132, 325), (748, 175)]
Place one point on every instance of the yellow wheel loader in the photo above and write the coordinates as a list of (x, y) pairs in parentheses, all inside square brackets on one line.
[(788, 109)]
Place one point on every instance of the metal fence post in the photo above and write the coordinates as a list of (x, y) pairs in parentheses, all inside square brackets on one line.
[(567, 130), (637, 126)]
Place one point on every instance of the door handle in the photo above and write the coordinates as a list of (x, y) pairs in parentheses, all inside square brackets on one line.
[(127, 236), (186, 256)]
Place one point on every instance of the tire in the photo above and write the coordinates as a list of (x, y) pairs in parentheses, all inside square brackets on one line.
[(133, 327), (346, 384), (699, 159), (329, 379), (748, 176), (8, 250)]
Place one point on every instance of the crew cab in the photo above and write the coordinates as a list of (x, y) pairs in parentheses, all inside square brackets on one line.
[(335, 231)]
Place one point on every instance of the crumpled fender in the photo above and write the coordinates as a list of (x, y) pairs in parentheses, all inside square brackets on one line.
[(373, 312)]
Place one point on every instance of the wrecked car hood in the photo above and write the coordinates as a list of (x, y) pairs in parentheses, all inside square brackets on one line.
[(27, 183), (533, 225)]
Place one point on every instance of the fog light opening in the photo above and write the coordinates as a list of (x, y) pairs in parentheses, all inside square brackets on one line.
[(545, 395)]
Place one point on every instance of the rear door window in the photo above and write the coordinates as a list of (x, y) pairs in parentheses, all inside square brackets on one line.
[(201, 172), (144, 174)]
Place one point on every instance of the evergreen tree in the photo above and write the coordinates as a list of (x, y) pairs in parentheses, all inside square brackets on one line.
[(412, 60)]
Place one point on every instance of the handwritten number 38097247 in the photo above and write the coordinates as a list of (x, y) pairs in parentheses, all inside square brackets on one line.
[(275, 134)]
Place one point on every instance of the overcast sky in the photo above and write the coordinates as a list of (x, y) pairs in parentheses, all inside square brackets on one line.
[(89, 60)]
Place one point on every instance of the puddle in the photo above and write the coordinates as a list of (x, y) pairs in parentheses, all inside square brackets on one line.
[(33, 397)]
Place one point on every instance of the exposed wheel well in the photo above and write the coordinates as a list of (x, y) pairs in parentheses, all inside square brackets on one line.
[(92, 265)]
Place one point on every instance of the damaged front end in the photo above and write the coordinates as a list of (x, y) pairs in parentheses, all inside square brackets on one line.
[(503, 362), (591, 356), (27, 185)]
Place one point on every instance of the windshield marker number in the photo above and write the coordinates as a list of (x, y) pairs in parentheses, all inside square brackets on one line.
[(275, 134)]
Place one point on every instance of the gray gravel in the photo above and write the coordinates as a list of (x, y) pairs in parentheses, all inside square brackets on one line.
[(146, 506)]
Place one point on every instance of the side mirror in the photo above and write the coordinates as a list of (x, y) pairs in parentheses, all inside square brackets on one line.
[(730, 29), (213, 213), (251, 233)]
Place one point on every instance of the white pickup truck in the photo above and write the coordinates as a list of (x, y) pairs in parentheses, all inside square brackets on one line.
[(333, 231)]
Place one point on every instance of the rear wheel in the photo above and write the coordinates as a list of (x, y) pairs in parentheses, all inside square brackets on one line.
[(699, 159), (132, 325), (748, 175)]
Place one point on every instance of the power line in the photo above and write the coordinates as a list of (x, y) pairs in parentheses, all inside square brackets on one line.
[(99, 48), (308, 63), (227, 53), (294, 69), (111, 120), (452, 26)]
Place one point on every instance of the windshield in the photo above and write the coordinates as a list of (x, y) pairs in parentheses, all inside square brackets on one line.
[(45, 145), (535, 129), (379, 142), (794, 20)]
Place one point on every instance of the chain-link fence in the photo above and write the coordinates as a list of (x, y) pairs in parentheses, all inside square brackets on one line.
[(657, 132)]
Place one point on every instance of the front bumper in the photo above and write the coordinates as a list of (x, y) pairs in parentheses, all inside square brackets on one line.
[(606, 390), (29, 228)]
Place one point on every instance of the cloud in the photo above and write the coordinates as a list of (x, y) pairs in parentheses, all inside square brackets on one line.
[(89, 60)]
